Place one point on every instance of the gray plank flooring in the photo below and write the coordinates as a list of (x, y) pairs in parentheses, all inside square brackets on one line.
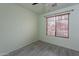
[(40, 48)]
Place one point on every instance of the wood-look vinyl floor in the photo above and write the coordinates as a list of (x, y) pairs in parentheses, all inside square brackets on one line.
[(40, 48)]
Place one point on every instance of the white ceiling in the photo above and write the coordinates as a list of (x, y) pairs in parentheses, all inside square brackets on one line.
[(44, 7)]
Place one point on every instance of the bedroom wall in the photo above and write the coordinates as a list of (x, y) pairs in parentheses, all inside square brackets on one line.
[(18, 27), (73, 41)]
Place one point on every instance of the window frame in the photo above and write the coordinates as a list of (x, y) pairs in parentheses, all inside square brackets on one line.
[(56, 25)]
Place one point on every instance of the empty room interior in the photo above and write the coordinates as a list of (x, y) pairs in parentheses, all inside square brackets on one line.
[(39, 29)]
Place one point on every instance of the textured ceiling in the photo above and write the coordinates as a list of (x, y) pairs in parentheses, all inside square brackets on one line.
[(44, 7)]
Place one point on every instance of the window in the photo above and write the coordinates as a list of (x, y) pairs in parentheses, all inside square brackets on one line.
[(51, 26), (58, 25)]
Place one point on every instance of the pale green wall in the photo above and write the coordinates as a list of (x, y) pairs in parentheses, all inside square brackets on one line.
[(18, 27), (73, 41)]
